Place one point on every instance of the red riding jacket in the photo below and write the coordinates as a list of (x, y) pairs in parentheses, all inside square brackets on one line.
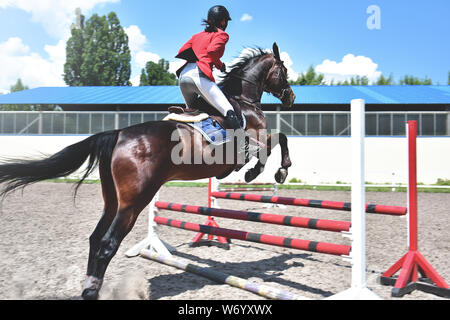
[(208, 48)]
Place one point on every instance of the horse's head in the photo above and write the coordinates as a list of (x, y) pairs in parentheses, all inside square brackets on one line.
[(277, 82)]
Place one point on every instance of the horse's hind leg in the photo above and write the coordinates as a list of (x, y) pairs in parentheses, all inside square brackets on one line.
[(109, 212), (122, 224), (136, 185)]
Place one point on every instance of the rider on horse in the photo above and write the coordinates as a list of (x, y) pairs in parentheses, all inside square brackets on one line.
[(202, 52)]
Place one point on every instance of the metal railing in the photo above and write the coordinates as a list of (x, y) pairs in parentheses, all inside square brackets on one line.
[(297, 123), (331, 123)]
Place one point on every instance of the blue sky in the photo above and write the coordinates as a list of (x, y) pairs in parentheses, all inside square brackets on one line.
[(333, 36)]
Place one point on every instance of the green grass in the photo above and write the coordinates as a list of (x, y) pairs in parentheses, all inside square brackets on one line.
[(168, 184), (281, 187), (66, 180)]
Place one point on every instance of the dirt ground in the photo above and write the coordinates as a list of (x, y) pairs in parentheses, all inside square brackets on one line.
[(44, 247)]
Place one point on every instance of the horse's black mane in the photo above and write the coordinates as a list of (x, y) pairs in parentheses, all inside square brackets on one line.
[(244, 62)]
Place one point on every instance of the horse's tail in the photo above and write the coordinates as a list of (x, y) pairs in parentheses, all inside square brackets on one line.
[(17, 173)]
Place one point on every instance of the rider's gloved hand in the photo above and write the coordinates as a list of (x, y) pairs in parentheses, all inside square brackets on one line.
[(224, 68)]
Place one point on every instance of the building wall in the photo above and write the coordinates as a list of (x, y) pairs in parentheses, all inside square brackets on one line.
[(315, 159)]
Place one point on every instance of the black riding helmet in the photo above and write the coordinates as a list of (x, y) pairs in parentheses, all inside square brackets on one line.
[(216, 14)]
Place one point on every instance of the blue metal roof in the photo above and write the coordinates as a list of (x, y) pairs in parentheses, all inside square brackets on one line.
[(158, 95), (96, 95)]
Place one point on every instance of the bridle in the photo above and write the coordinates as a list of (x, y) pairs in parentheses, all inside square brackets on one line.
[(285, 91), (279, 95)]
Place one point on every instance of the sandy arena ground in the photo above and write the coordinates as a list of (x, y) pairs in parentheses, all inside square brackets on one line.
[(44, 247)]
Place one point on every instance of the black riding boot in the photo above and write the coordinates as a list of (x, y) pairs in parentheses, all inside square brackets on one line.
[(232, 121)]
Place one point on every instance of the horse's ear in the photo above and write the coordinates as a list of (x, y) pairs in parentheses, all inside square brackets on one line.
[(276, 51)]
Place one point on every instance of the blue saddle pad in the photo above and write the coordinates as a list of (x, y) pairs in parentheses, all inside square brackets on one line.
[(212, 131)]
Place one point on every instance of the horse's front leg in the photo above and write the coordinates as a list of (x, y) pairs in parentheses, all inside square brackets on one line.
[(282, 173), (272, 141)]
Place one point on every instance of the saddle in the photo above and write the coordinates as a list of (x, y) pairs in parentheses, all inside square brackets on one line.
[(202, 107), (204, 111)]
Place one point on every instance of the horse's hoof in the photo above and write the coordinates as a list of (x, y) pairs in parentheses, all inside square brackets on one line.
[(281, 175), (90, 294), (249, 176), (91, 288)]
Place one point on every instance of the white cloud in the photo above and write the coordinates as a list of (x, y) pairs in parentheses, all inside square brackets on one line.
[(56, 16), (57, 53), (135, 80), (14, 47), (19, 62), (349, 67), (292, 75), (138, 43), (246, 17), (142, 57), (136, 40)]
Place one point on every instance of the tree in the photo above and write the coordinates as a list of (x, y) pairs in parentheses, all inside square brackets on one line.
[(340, 83), (310, 78), (157, 74), (97, 54), (74, 53), (359, 81), (383, 81), (354, 81), (19, 86), (415, 81)]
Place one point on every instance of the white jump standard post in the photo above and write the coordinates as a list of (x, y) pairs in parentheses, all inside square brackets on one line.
[(152, 242), (358, 289)]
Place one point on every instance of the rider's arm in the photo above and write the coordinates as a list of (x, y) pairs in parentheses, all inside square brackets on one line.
[(216, 48)]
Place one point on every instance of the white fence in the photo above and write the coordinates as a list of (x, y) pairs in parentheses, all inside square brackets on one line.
[(316, 160)]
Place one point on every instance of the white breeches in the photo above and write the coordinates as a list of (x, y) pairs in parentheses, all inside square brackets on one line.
[(194, 82)]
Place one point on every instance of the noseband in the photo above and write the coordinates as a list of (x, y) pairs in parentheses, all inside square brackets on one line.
[(284, 92)]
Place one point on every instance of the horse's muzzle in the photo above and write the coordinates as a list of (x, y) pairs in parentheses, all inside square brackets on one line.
[(288, 97)]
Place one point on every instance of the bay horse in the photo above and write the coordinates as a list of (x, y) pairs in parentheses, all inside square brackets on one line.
[(136, 161)]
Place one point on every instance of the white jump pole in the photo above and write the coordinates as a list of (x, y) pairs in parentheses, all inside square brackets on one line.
[(358, 289)]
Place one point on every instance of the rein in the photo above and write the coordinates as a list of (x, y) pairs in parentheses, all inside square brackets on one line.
[(246, 80)]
